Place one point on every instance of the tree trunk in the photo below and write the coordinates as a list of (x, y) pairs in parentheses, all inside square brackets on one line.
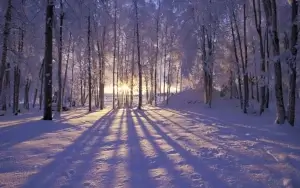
[(246, 95), (156, 54), (246, 77), (165, 62), (6, 33), (237, 65), (72, 75), (48, 63), (132, 69), (139, 56), (115, 52), (271, 15), (103, 69), (60, 52), (42, 76), (26, 94), (268, 68), (258, 20), (67, 67), (89, 64), (292, 65)]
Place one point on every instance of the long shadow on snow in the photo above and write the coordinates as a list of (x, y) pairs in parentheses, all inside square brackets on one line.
[(265, 136), (161, 160), (138, 164), (266, 139), (110, 176), (15, 134), (202, 169), (235, 157), (74, 161)]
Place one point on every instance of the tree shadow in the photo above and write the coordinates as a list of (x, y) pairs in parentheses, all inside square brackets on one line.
[(137, 164), (202, 170), (245, 138), (70, 165), (18, 133)]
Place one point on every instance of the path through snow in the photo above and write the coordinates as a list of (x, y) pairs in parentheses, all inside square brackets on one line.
[(155, 147)]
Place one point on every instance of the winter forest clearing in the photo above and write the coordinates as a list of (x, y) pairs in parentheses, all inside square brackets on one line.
[(149, 93)]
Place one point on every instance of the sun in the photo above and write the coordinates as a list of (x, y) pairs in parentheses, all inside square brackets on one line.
[(124, 88)]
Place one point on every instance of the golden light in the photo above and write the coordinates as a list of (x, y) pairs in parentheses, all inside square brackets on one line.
[(124, 88)]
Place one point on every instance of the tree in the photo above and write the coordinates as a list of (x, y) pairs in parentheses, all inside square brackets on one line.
[(48, 62), (89, 63), (270, 7), (60, 53), (3, 68), (292, 64), (138, 55)]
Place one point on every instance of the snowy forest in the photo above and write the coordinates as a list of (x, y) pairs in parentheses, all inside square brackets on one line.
[(164, 82), (247, 49)]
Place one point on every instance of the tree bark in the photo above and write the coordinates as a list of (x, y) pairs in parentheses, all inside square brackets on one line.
[(140, 102), (156, 54), (6, 33), (60, 52), (67, 67), (48, 63), (89, 64), (292, 65), (270, 7), (237, 64)]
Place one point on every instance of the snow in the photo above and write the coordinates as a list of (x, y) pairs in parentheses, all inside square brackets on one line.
[(180, 145)]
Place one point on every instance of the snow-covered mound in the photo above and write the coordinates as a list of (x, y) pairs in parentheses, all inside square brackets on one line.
[(189, 97)]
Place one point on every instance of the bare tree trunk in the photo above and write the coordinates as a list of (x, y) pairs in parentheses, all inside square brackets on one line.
[(204, 59), (118, 65), (169, 81), (132, 69), (26, 94), (60, 52), (147, 87), (252, 87), (268, 68), (258, 20), (17, 73), (270, 7), (156, 54), (177, 78), (67, 67), (246, 96), (89, 64), (48, 63), (237, 65), (72, 75), (102, 68), (231, 84), (165, 62), (139, 56), (6, 33), (42, 76), (151, 98), (246, 77), (115, 51), (292, 65)]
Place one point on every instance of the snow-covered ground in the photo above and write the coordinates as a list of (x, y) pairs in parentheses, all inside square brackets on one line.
[(184, 145)]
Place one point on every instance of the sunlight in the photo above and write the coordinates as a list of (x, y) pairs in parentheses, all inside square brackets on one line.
[(124, 88)]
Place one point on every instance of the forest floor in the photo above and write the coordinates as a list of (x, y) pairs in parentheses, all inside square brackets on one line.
[(186, 147)]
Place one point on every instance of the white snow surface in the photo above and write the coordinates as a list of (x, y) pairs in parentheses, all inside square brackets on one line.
[(182, 146)]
